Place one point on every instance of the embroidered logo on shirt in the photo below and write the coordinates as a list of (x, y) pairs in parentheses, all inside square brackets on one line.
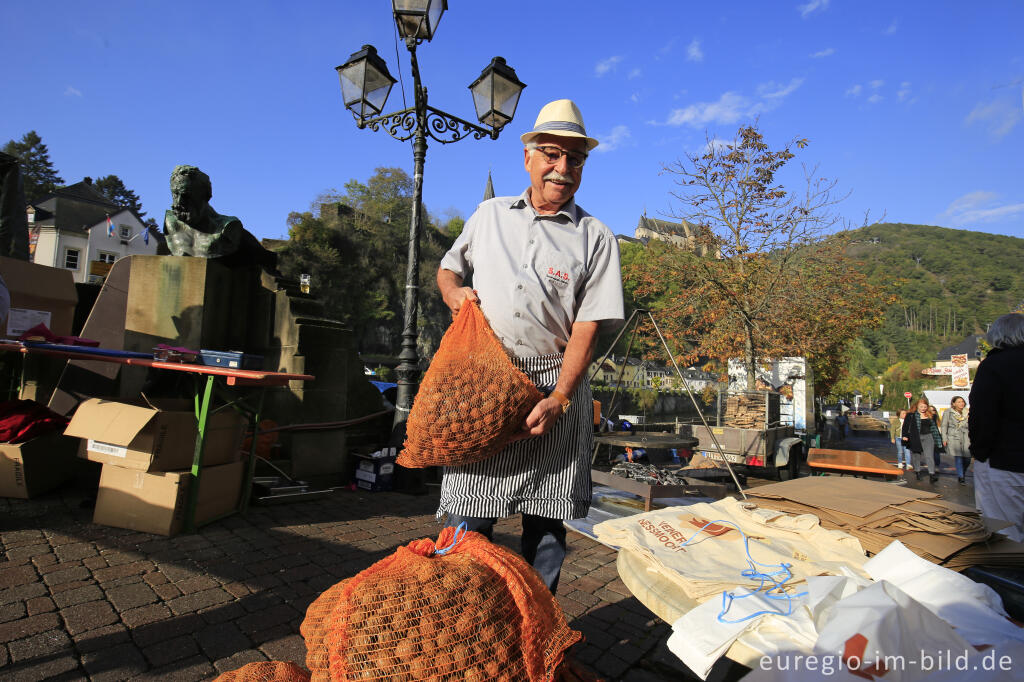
[(559, 277)]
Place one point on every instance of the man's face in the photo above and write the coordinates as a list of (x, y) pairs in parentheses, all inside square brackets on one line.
[(553, 183), (187, 203)]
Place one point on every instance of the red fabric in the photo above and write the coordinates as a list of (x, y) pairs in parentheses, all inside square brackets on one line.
[(23, 420), (42, 331)]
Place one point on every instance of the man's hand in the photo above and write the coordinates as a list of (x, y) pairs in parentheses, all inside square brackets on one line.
[(454, 294), (540, 420), (454, 298)]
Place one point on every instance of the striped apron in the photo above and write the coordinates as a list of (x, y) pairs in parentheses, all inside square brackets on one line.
[(546, 475)]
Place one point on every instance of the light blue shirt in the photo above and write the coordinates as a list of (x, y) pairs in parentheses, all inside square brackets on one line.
[(536, 274)]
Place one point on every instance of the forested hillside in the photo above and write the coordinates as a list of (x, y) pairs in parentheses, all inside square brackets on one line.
[(952, 283)]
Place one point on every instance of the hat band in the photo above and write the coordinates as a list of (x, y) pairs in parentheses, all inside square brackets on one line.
[(563, 126)]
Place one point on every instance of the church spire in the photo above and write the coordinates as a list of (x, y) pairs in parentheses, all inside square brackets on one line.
[(489, 191)]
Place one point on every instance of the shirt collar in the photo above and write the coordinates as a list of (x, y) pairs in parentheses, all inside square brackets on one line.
[(568, 209)]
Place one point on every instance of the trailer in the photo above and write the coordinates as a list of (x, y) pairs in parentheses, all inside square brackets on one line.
[(749, 432), (773, 452)]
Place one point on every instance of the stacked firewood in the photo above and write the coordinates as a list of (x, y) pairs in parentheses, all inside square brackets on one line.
[(744, 411)]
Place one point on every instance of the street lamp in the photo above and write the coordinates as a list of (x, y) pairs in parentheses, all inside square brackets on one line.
[(365, 85)]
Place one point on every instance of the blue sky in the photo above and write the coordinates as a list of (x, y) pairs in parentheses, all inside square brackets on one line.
[(916, 108)]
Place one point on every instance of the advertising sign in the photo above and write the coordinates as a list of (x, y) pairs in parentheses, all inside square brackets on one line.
[(961, 375)]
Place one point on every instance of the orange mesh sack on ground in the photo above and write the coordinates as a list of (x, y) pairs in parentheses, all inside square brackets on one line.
[(266, 671), (460, 609), (471, 401), (314, 630)]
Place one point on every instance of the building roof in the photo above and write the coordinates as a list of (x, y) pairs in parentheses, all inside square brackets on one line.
[(664, 227), (75, 208), (969, 346)]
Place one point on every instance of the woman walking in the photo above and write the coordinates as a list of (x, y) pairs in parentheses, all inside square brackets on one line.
[(955, 438), (933, 414), (896, 436), (921, 435)]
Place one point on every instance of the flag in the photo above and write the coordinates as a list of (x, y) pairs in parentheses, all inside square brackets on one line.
[(145, 235), (110, 227)]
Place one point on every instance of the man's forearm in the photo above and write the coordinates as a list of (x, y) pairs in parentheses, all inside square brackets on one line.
[(447, 280), (577, 356)]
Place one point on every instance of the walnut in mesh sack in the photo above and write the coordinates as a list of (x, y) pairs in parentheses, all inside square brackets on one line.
[(266, 671), (460, 609), (471, 401)]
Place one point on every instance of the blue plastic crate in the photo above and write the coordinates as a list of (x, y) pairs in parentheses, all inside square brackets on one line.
[(231, 359)]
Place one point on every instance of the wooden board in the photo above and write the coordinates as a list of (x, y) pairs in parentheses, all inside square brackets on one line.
[(850, 461)]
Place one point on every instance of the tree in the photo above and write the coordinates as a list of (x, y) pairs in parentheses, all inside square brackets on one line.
[(354, 247), (770, 281), (37, 171), (114, 189), (386, 197)]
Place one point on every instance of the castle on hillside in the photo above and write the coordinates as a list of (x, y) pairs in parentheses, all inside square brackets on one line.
[(681, 234)]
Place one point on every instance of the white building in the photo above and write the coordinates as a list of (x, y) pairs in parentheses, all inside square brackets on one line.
[(69, 229)]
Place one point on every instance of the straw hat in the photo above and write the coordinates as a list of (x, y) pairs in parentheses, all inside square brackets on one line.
[(562, 118)]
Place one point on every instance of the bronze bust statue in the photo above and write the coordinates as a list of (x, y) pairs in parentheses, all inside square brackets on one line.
[(193, 228)]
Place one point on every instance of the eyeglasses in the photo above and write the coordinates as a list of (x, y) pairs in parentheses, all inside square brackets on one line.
[(553, 154)]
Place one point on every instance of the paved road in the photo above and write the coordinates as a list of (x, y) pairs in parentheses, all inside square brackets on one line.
[(878, 444), (80, 601)]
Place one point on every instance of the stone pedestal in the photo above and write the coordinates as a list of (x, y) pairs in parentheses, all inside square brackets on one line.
[(303, 341), (199, 304)]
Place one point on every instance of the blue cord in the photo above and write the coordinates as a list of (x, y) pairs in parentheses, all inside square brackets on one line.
[(460, 533), (775, 592)]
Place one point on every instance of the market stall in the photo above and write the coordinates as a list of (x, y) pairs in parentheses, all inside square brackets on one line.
[(790, 571)]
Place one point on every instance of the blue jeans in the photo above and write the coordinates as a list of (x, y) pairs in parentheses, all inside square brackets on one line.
[(902, 453), (543, 542), (961, 465)]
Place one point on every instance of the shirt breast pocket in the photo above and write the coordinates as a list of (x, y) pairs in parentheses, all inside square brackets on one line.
[(560, 273)]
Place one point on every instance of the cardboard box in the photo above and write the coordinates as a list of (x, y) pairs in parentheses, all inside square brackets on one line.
[(156, 502), (157, 437), (38, 294), (374, 473), (32, 468)]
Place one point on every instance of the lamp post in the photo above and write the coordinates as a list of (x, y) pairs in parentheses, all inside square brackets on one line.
[(365, 85)]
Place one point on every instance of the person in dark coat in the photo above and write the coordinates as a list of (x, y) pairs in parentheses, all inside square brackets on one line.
[(921, 436), (995, 424)]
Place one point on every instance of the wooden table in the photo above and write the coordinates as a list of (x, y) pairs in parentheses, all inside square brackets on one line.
[(653, 440), (852, 462), (202, 399)]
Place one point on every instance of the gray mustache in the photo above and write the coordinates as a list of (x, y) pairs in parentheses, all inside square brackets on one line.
[(558, 177)]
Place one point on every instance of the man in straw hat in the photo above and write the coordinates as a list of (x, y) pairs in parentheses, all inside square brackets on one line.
[(546, 275)]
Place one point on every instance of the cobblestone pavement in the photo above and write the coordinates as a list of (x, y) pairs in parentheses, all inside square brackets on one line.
[(81, 601)]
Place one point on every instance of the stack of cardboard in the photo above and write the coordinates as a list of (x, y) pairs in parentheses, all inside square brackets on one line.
[(877, 513), (147, 453)]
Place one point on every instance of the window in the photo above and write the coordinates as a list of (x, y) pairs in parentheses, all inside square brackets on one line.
[(126, 232), (106, 257), (71, 259)]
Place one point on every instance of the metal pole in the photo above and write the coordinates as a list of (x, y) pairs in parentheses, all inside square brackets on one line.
[(408, 368)]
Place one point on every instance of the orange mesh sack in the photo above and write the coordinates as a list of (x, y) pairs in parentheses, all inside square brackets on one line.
[(460, 609), (314, 630), (266, 671), (472, 399)]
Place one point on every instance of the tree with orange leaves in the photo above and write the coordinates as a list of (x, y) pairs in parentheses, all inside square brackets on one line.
[(776, 282)]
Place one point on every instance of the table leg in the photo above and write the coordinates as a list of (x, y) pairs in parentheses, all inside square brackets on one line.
[(250, 467), (202, 414)]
